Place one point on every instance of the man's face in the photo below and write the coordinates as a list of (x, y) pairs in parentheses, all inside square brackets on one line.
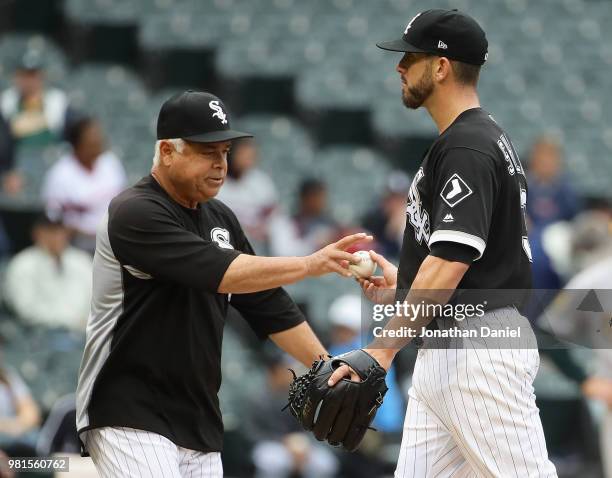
[(545, 161), (416, 76), (29, 82), (315, 202), (244, 157), (198, 172), (91, 145), (53, 238)]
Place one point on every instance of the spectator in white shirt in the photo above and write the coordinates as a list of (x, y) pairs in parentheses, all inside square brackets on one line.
[(49, 283), (82, 183), (248, 191)]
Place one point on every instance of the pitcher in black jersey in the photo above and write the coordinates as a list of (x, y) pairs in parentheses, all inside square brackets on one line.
[(471, 409)]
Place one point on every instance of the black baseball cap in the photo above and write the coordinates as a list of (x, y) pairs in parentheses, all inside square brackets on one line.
[(49, 218), (196, 116), (447, 33)]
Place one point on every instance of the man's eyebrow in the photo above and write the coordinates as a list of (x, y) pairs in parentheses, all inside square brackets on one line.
[(204, 148)]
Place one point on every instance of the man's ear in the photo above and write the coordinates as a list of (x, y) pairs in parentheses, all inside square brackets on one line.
[(441, 69), (166, 148)]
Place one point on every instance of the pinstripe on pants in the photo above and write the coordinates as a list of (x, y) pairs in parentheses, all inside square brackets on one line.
[(472, 413), (131, 453)]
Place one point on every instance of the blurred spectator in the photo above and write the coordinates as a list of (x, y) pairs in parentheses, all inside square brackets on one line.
[(551, 196), (592, 248), (58, 434), (5, 241), (591, 239), (572, 246), (5, 469), (388, 218), (82, 183), (248, 191), (49, 283), (282, 449), (543, 271), (579, 326), (309, 229), (35, 112), (19, 414), (7, 147), (346, 335), (12, 182)]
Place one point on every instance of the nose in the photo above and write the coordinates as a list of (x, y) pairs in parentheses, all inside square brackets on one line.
[(220, 158)]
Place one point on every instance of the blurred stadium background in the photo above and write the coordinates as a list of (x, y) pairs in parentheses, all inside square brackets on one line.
[(324, 103)]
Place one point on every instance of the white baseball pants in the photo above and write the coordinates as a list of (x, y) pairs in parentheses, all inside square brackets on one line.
[(131, 453), (472, 413)]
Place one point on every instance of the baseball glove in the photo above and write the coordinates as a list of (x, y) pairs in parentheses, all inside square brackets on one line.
[(340, 414)]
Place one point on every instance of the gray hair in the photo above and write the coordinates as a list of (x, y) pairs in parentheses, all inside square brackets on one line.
[(178, 143)]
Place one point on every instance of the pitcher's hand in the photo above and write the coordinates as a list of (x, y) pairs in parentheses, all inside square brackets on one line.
[(380, 289)]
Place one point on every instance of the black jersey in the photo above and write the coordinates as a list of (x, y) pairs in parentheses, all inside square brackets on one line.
[(152, 358), (470, 189)]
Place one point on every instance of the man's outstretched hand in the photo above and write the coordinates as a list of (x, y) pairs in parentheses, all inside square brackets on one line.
[(334, 258), (380, 289)]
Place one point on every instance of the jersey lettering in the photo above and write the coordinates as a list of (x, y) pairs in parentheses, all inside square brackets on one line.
[(417, 217), (525, 239), (513, 155)]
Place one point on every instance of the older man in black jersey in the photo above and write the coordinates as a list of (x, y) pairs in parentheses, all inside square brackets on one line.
[(169, 260)]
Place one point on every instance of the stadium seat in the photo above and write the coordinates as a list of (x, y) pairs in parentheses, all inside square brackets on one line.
[(286, 151), (355, 177), (102, 11), (319, 293)]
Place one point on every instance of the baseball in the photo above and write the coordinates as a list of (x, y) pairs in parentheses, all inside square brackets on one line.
[(365, 268)]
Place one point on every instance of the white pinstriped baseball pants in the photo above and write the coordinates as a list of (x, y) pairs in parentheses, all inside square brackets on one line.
[(130, 453), (472, 413)]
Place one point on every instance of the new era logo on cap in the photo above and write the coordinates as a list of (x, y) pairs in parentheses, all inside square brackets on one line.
[(442, 45)]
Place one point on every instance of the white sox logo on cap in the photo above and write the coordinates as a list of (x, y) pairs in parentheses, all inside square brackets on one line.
[(218, 112), (410, 22)]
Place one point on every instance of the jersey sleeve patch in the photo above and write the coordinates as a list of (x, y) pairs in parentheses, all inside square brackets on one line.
[(455, 190)]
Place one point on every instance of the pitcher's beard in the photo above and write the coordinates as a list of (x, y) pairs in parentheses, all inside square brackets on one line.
[(416, 95)]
